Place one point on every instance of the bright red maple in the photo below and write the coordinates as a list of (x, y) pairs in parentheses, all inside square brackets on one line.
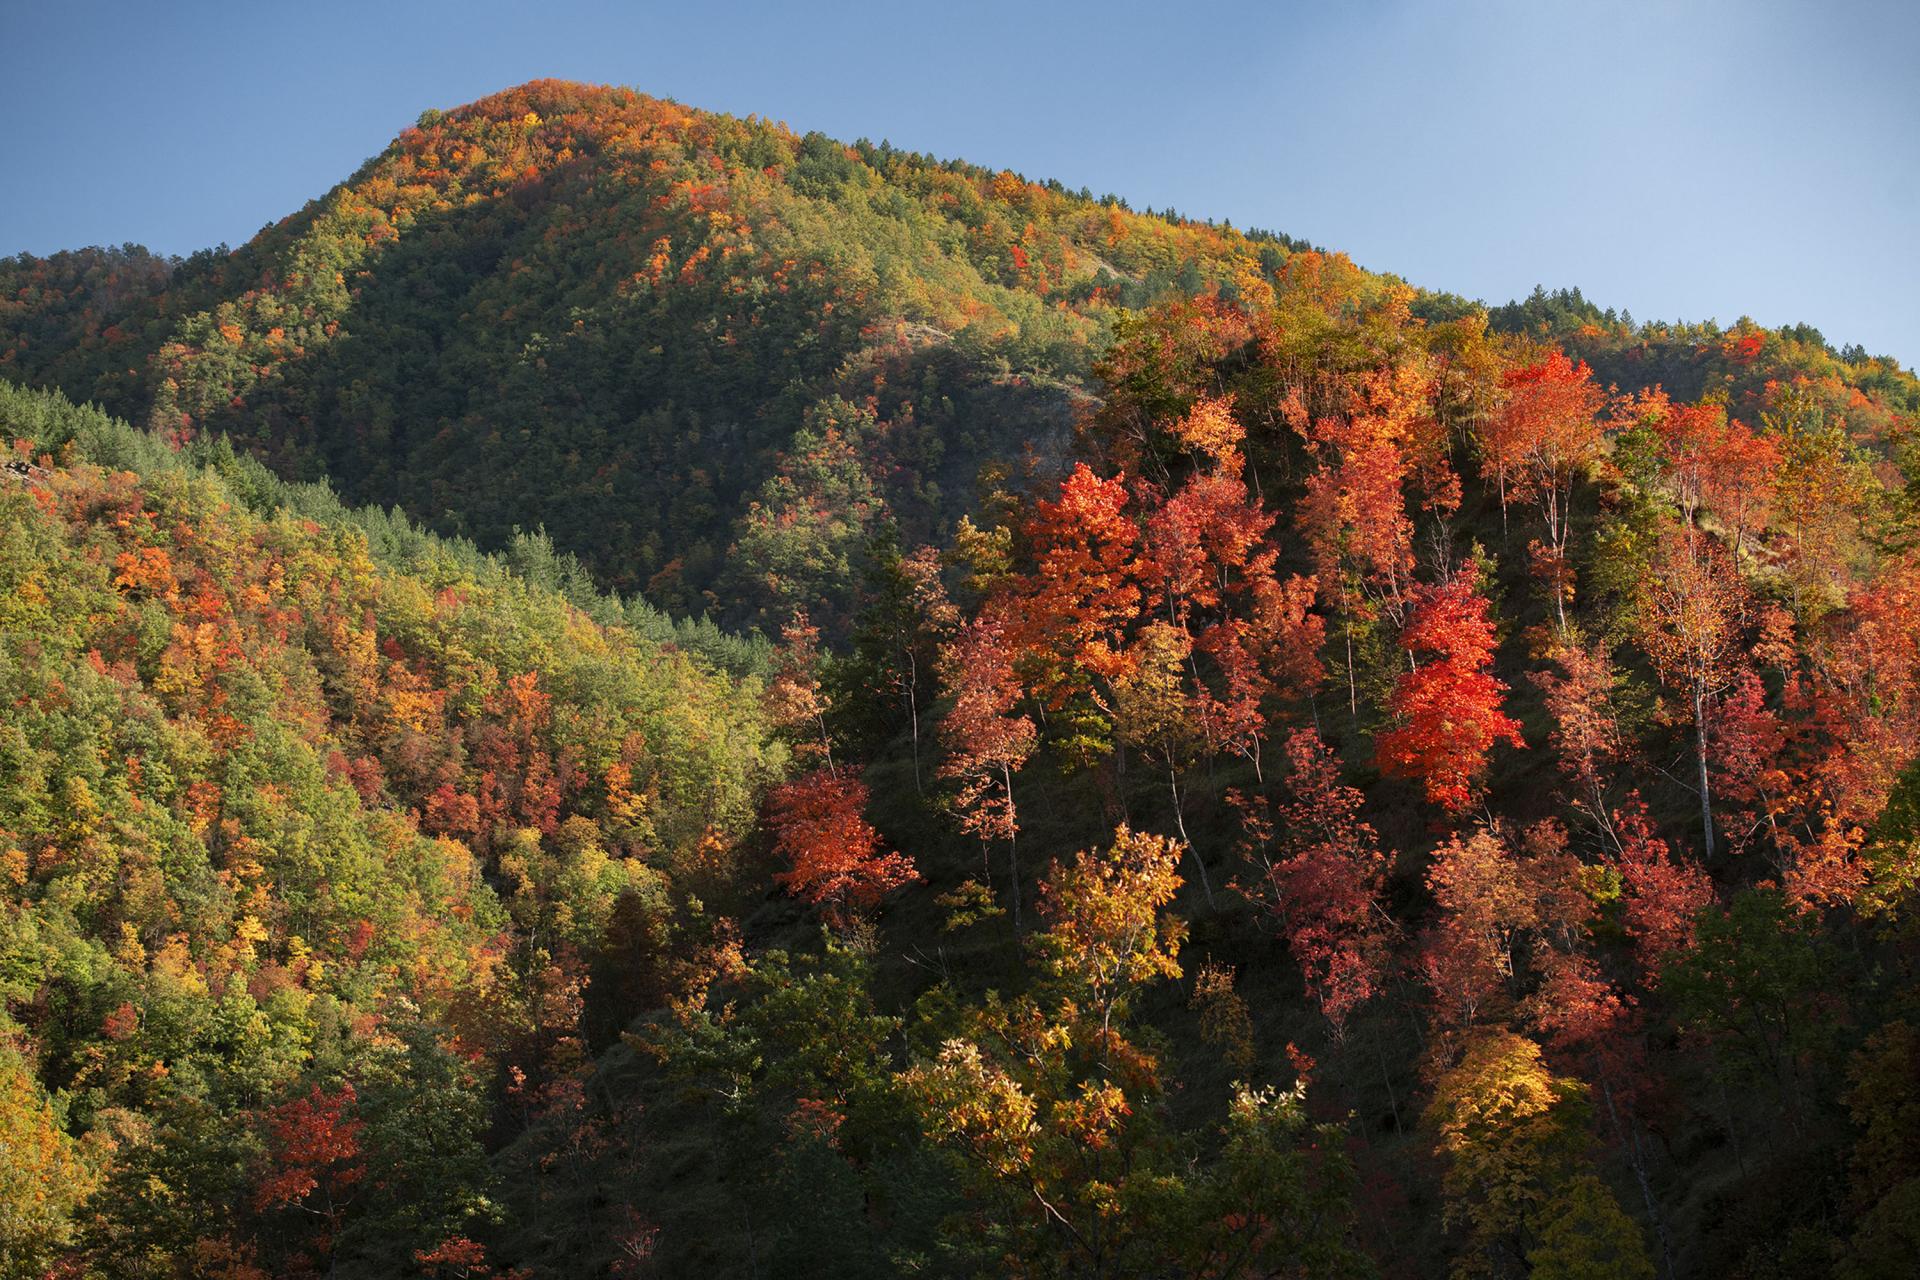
[(1446, 710), (832, 854), (317, 1161), (1081, 596)]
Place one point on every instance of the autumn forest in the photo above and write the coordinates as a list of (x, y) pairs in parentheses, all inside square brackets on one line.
[(633, 693)]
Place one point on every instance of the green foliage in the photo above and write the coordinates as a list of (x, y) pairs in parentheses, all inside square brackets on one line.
[(610, 314), (1585, 1236), (1761, 988), (339, 846), (291, 797), (43, 1177)]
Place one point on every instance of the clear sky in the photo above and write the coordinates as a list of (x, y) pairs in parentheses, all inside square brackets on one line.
[(1682, 159)]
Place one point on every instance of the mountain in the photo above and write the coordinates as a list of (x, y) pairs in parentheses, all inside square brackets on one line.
[(674, 339), (622, 319), (1033, 739)]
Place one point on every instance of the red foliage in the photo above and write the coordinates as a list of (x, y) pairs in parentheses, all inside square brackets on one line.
[(1354, 512), (1326, 887), (1663, 893), (1447, 710), (1498, 907), (1749, 747), (1545, 431), (1467, 956), (456, 1257), (1205, 557), (986, 740), (1586, 733), (449, 812), (316, 1162), (832, 854), (1081, 595)]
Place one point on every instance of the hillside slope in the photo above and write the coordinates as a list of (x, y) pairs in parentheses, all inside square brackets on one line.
[(629, 322), (1250, 769), (611, 315), (292, 793)]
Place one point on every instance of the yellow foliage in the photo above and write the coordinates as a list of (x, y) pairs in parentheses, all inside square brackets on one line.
[(1513, 1132), (1106, 935), (42, 1177)]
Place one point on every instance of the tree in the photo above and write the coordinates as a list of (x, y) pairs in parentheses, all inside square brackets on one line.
[(1325, 887), (1544, 435), (1486, 905), (1105, 934), (796, 702), (1585, 1236), (1446, 711), (797, 542), (905, 616), (1586, 734), (1759, 990), (832, 855), (425, 1109), (1663, 895), (1205, 559), (986, 740), (1055, 1115), (793, 1060), (1817, 492), (1078, 601), (1278, 1200), (1715, 462), (1151, 710), (1884, 1100), (1514, 1135), (1354, 511), (1050, 1110), (1692, 610), (1750, 762), (43, 1179), (317, 1160)]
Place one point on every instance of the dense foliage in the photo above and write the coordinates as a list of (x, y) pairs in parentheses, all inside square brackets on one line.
[(657, 331), (307, 832), (1239, 768)]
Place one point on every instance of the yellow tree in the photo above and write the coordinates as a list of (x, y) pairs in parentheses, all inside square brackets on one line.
[(1057, 1122), (1106, 937), (1051, 1113), (1151, 710), (1518, 1175), (42, 1178)]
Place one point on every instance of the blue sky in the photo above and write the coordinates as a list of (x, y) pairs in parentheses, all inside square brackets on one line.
[(1678, 158)]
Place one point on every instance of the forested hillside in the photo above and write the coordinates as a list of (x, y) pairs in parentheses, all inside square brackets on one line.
[(306, 811), (629, 321), (1218, 763)]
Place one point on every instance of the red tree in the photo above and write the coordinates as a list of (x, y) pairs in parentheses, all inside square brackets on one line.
[(1446, 710), (1482, 908), (1586, 731), (1537, 444), (832, 854), (317, 1163), (1326, 887), (986, 740), (1081, 597), (1663, 894)]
